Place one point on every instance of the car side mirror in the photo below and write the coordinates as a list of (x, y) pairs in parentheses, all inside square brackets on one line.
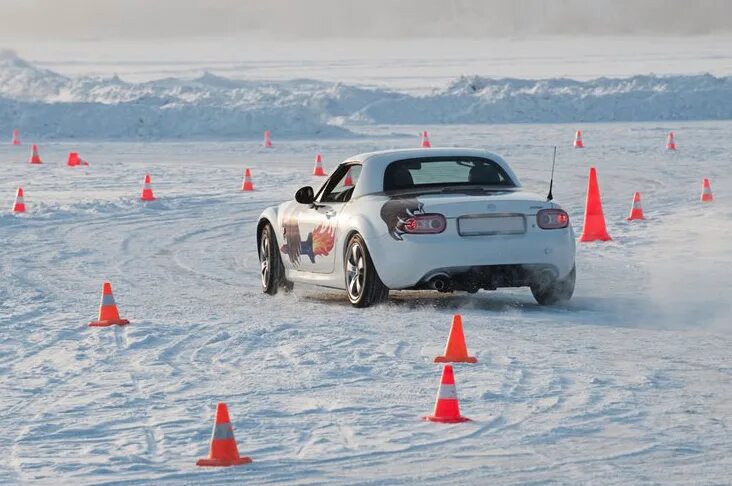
[(305, 195)]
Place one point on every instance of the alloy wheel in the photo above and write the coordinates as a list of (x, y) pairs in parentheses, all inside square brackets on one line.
[(264, 259), (355, 271)]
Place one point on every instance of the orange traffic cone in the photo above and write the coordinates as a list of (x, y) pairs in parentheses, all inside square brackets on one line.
[(108, 313), (578, 140), (636, 211), (16, 137), (425, 140), (706, 195), (670, 142), (594, 228), (73, 159), (34, 158), (267, 139), (19, 204), (447, 409), (456, 351), (318, 169), (147, 192), (349, 181), (247, 185), (223, 450)]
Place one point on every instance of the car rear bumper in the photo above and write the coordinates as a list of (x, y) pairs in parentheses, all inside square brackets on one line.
[(487, 261)]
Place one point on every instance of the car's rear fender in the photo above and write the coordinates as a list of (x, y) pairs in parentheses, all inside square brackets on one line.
[(352, 224)]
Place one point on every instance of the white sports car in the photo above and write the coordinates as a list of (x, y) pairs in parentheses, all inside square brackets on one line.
[(441, 219)]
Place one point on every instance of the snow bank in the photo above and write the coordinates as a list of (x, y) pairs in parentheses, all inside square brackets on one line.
[(640, 98), (48, 105)]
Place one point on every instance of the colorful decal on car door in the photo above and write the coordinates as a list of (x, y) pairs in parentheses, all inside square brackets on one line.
[(396, 211), (323, 240), (319, 242)]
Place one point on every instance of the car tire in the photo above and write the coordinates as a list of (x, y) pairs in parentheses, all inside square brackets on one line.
[(271, 270), (557, 291), (363, 285)]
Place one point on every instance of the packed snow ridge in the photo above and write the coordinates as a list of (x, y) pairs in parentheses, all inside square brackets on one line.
[(45, 104)]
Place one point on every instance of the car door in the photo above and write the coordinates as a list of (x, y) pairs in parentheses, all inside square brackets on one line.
[(310, 231)]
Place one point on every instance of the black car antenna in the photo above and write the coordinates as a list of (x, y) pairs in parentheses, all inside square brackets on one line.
[(550, 196)]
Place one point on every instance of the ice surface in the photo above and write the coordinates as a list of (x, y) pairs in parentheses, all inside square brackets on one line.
[(630, 383)]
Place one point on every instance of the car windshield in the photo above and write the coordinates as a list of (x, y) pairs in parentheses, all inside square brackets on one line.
[(444, 172)]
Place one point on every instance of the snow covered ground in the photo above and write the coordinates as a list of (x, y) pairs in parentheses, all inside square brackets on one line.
[(629, 383)]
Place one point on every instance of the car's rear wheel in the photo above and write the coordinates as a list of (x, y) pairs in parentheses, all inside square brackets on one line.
[(363, 285), (555, 291), (271, 269)]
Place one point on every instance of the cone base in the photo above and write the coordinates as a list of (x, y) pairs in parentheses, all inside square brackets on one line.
[(247, 188), (109, 322), (634, 218), (319, 173), (446, 420), (35, 163), (147, 199), (591, 238), (455, 359), (224, 462), (707, 199)]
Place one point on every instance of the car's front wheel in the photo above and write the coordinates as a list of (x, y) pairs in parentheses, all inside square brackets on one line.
[(363, 285), (555, 291), (270, 263)]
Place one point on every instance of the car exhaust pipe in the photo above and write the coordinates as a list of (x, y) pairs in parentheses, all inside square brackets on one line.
[(441, 283)]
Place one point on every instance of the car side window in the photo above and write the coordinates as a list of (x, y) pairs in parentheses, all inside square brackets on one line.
[(342, 183)]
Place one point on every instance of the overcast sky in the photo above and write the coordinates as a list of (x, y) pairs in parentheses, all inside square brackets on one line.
[(122, 19)]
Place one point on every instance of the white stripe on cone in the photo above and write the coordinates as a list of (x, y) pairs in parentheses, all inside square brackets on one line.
[(447, 392)]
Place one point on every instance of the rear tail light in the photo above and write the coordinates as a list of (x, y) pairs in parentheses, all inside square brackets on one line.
[(552, 219), (431, 223)]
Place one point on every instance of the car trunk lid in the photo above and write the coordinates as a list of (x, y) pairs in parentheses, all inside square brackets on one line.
[(455, 205)]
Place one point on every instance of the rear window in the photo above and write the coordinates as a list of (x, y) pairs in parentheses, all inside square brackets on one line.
[(444, 171)]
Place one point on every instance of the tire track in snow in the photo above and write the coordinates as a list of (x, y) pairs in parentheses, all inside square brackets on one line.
[(135, 371)]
